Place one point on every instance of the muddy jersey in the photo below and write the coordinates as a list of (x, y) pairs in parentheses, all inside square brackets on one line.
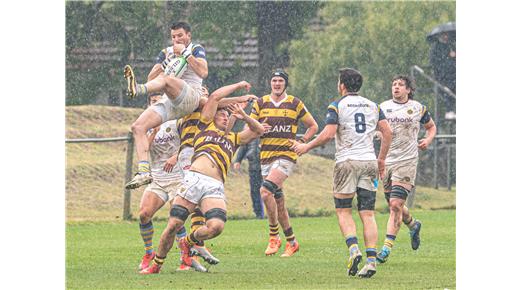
[(283, 118), (210, 140), (189, 76), (164, 145), (357, 119), (405, 120)]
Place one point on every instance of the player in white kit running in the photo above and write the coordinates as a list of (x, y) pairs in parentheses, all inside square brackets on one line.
[(352, 120), (405, 116)]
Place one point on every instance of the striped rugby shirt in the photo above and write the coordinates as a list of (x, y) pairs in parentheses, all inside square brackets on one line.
[(210, 140), (188, 127), (283, 118)]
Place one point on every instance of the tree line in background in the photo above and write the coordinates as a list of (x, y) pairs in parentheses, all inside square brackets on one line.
[(311, 39)]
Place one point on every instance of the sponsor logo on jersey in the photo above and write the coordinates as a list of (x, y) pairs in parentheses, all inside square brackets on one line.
[(410, 111), (358, 105), (280, 128), (400, 120), (162, 140), (389, 110), (219, 140), (168, 130)]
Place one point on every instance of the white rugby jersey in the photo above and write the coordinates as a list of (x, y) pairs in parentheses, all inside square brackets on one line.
[(405, 120), (357, 119), (189, 76), (164, 145)]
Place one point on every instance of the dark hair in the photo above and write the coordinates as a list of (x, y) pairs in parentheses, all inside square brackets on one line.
[(409, 82), (179, 25), (351, 78)]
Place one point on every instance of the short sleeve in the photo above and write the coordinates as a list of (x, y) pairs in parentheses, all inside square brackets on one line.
[(426, 117), (332, 114), (302, 110), (381, 114), (199, 52), (161, 57), (255, 111)]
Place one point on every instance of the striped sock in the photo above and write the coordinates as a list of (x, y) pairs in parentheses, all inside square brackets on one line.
[(289, 236), (158, 260), (147, 235), (273, 230), (197, 221), (352, 244), (371, 254), (389, 242), (141, 90), (192, 240), (181, 233), (143, 167), (410, 223)]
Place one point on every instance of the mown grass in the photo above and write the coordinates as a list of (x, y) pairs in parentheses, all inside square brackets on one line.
[(105, 255), (95, 175)]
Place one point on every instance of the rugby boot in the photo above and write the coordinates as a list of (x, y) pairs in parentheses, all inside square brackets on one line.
[(353, 263), (368, 270), (183, 267), (204, 253), (273, 246), (382, 256), (152, 269), (145, 262), (414, 235), (185, 252), (290, 250), (131, 89), (139, 180), (196, 265)]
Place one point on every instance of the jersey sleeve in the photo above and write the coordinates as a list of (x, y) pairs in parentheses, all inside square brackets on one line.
[(381, 114), (426, 117), (332, 114), (198, 51), (255, 111), (301, 110), (161, 57)]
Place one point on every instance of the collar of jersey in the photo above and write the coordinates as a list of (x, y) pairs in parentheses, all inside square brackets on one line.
[(277, 104)]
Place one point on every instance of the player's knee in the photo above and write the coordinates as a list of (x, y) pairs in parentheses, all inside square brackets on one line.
[(343, 202), (145, 216), (268, 188), (215, 213), (366, 199), (396, 206), (179, 212), (215, 229)]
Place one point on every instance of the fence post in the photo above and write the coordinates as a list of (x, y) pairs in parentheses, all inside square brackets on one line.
[(128, 176), (435, 143), (448, 177)]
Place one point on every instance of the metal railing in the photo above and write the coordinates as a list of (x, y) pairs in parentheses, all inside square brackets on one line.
[(129, 162)]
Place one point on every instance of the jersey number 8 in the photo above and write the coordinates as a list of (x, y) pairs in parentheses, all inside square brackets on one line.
[(359, 119)]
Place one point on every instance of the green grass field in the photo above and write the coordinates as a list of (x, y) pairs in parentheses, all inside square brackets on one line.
[(105, 255)]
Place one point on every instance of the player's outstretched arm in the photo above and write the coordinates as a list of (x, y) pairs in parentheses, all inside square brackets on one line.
[(325, 136), (254, 128)]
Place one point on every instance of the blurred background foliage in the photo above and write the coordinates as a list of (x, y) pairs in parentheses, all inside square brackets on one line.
[(247, 40)]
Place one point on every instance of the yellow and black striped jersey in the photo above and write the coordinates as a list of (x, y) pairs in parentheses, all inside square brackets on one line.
[(187, 128), (211, 141), (283, 118)]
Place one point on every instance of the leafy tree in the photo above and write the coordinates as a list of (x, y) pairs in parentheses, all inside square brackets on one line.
[(380, 39)]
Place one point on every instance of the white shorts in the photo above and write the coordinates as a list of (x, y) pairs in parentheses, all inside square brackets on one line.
[(196, 187), (283, 165), (351, 174), (185, 103), (403, 171), (165, 191)]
